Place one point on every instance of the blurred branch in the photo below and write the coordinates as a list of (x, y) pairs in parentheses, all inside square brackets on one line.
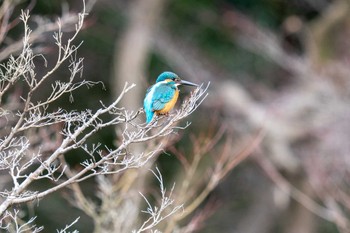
[(331, 214), (193, 191), (5, 13), (322, 29), (261, 41)]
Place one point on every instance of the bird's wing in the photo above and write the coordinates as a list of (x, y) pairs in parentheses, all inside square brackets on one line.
[(162, 95)]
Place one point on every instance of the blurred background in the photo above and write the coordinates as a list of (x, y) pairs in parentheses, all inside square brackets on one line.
[(274, 130)]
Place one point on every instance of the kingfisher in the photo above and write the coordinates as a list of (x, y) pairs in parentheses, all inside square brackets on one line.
[(161, 97)]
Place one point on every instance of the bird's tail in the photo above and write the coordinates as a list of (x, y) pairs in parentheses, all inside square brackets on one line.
[(149, 116)]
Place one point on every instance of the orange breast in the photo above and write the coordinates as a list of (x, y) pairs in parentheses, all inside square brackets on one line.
[(168, 106)]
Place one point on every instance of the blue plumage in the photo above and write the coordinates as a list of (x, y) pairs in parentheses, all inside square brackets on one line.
[(157, 96), (161, 97), (147, 106), (166, 75)]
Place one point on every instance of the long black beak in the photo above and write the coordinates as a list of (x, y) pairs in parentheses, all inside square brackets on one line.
[(184, 82)]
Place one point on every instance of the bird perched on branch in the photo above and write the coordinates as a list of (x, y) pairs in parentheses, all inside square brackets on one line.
[(162, 96)]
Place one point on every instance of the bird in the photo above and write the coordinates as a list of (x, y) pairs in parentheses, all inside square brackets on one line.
[(161, 97)]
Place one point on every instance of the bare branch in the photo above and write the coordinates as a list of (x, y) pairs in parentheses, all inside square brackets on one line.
[(161, 212)]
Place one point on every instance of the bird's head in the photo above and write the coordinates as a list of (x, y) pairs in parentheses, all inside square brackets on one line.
[(168, 76)]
